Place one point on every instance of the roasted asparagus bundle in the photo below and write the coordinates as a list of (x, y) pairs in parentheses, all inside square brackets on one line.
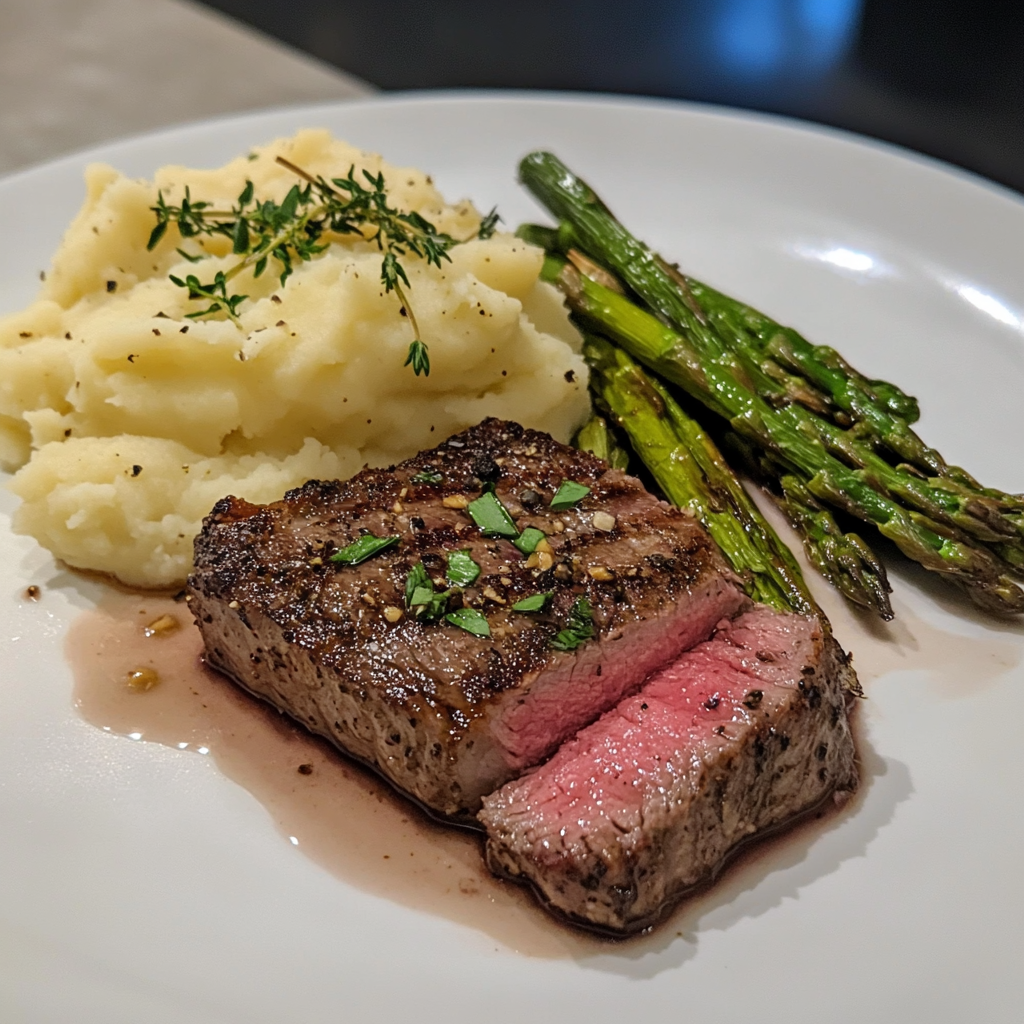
[(835, 437)]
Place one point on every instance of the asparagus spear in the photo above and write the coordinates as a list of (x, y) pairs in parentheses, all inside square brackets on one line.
[(719, 387), (822, 366), (603, 236), (738, 323), (693, 475), (595, 437), (844, 559), (875, 403)]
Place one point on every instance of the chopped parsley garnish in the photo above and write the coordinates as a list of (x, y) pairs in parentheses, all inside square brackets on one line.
[(470, 620), (432, 609), (568, 494), (360, 550), (416, 580), (427, 476), (492, 517), (528, 540), (462, 570), (420, 596), (533, 603), (578, 629)]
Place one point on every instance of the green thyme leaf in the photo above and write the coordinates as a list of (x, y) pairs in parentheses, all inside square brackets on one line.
[(488, 224), (578, 629), (462, 570), (427, 476), (492, 517), (533, 603), (418, 358), (568, 494), (470, 620), (240, 236), (528, 540), (360, 550), (156, 234)]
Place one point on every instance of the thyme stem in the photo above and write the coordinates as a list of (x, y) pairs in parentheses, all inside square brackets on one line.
[(300, 228)]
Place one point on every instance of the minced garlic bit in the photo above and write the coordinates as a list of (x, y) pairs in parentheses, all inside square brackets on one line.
[(603, 521), (601, 573), (397, 507), (141, 680), (542, 560), (368, 599), (392, 614), (492, 595), (558, 526), (163, 626), (455, 501)]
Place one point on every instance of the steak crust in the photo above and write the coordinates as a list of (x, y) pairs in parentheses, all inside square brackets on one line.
[(445, 715), (739, 736)]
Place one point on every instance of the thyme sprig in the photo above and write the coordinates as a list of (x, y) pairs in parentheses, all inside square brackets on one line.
[(299, 228)]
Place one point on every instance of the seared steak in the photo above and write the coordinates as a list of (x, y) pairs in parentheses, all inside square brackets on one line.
[(447, 715), (735, 738)]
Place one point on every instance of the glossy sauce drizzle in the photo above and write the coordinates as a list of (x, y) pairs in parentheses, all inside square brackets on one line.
[(342, 816), (137, 668)]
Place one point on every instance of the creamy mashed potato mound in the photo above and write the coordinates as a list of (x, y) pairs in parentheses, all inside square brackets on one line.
[(126, 421)]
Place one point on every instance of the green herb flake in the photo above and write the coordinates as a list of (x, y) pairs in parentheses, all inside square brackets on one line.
[(568, 494), (360, 550), (492, 517), (417, 580), (533, 603), (427, 476), (470, 620), (528, 540), (432, 610), (462, 570), (579, 627), (420, 595)]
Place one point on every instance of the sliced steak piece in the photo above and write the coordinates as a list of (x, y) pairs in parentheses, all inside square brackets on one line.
[(735, 738), (446, 715)]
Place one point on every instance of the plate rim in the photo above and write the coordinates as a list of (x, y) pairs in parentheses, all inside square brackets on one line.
[(898, 155)]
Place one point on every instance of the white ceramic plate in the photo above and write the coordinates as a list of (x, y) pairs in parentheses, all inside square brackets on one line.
[(137, 883)]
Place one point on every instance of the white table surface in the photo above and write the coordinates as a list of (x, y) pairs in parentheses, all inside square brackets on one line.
[(74, 73)]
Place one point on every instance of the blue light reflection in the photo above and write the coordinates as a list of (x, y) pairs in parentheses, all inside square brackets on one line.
[(757, 38)]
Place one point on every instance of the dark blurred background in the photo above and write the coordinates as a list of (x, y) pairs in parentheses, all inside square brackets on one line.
[(945, 77)]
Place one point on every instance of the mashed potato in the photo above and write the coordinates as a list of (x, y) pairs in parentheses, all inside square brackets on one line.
[(126, 421)]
